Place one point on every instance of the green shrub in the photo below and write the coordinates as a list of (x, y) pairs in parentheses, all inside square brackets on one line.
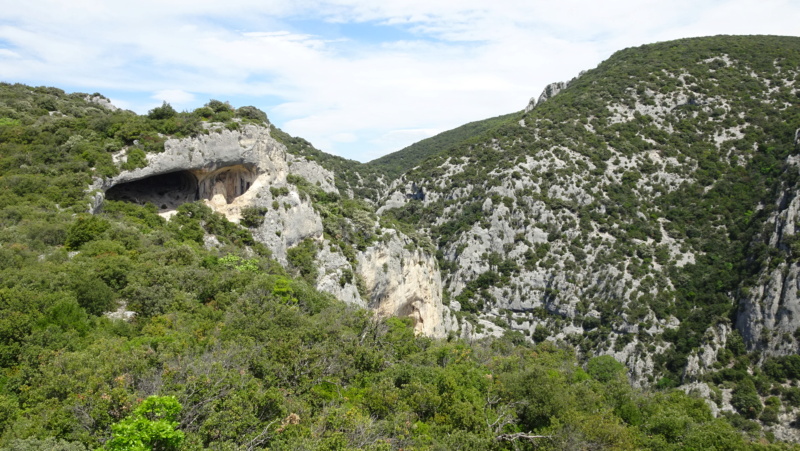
[(165, 111), (252, 113), (605, 368), (302, 258), (745, 399), (86, 228), (137, 158), (253, 216), (94, 295), (151, 426)]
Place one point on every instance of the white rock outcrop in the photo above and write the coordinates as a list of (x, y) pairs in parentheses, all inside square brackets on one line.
[(769, 313), (232, 170), (404, 280)]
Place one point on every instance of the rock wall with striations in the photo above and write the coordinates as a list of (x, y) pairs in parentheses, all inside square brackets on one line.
[(769, 311)]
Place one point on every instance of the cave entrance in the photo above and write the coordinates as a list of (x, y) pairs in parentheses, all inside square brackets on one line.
[(165, 191), (168, 191)]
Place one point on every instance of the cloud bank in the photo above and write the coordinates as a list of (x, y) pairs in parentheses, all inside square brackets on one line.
[(356, 78)]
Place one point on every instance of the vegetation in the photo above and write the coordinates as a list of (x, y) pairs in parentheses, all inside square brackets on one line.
[(395, 164), (652, 178), (230, 350)]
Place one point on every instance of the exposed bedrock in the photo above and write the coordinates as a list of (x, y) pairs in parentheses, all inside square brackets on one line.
[(232, 170), (168, 191), (219, 167)]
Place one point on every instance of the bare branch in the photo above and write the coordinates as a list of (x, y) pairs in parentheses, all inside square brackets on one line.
[(520, 436)]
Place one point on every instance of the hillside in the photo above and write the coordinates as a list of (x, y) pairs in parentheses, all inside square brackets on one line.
[(639, 212), (613, 268), (396, 163)]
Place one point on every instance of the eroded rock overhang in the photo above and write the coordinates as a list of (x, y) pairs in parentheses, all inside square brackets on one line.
[(218, 168), (168, 191)]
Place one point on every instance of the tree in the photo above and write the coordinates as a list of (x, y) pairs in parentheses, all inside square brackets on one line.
[(165, 111), (605, 368), (86, 228), (151, 426), (251, 112)]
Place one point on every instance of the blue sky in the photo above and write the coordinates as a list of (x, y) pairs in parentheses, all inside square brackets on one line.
[(357, 78)]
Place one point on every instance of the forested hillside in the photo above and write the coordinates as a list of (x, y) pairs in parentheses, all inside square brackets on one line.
[(594, 252)]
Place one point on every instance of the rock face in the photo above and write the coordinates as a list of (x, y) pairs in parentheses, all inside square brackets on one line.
[(769, 314), (549, 92), (102, 101), (580, 221), (404, 280), (219, 168), (232, 170)]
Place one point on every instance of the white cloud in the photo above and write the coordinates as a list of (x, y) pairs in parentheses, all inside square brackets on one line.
[(457, 61), (178, 98), (5, 53), (344, 137)]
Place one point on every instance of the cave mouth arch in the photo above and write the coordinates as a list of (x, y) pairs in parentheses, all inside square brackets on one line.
[(168, 191), (165, 191)]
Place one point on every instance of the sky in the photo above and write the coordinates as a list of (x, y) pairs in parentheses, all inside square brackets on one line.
[(356, 78)]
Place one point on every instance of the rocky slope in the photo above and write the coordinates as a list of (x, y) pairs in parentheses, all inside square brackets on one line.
[(622, 211), (236, 171), (769, 308)]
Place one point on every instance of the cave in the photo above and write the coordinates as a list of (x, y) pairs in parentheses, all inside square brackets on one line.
[(165, 191), (170, 190), (227, 183)]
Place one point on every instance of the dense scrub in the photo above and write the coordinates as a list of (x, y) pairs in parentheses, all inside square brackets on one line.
[(631, 209), (715, 210), (242, 353), (396, 163), (257, 359)]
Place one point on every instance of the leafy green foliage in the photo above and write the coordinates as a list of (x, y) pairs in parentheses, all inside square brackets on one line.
[(165, 111), (252, 113), (663, 151), (86, 228), (253, 216), (150, 426), (605, 368), (302, 259)]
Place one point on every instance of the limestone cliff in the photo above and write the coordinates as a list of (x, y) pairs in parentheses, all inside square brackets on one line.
[(404, 280), (231, 170), (769, 311)]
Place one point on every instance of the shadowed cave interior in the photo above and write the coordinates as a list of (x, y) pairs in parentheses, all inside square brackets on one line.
[(170, 190)]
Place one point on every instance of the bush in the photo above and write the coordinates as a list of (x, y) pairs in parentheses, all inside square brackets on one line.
[(165, 111), (93, 295), (46, 444), (136, 159), (302, 257), (745, 399), (253, 216), (86, 228), (218, 106), (252, 113), (151, 426), (605, 368)]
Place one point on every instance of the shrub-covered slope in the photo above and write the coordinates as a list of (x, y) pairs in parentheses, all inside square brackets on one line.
[(396, 163), (228, 349), (628, 214)]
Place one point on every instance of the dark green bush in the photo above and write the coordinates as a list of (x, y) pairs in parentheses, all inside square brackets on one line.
[(165, 111), (85, 228)]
